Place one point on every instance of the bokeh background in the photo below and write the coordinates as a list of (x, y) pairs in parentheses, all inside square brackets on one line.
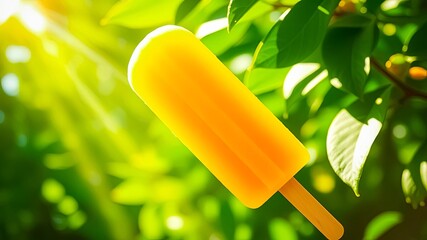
[(81, 157)]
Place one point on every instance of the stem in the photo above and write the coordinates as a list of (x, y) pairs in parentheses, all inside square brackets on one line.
[(407, 90), (400, 20)]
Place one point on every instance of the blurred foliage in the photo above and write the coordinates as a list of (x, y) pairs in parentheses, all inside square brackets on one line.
[(81, 157)]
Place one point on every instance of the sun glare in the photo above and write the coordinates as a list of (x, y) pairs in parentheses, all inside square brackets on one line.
[(32, 18), (26, 13), (174, 222), (18, 54), (211, 27), (296, 75), (10, 84), (7, 9)]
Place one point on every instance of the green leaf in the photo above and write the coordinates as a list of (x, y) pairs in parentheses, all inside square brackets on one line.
[(352, 134), (258, 10), (142, 13), (381, 224), (301, 78), (414, 178), (274, 102), (337, 98), (295, 37), (236, 10), (203, 12), (417, 44), (185, 8), (406, 32), (220, 41), (261, 80), (346, 48)]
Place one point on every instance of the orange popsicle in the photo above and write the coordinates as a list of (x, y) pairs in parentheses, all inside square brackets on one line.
[(222, 123)]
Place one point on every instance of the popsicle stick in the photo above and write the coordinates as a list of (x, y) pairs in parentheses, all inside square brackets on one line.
[(302, 200)]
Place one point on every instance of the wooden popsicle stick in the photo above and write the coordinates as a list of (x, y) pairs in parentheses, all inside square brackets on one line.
[(302, 200)]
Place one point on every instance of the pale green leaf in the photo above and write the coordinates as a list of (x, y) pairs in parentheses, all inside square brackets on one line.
[(349, 142), (274, 101), (288, 43), (236, 10), (203, 12), (414, 178), (352, 134), (220, 41), (259, 9), (414, 193), (261, 80), (185, 8), (381, 224), (142, 13)]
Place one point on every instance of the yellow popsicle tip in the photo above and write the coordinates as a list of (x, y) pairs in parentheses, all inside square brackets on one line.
[(145, 42)]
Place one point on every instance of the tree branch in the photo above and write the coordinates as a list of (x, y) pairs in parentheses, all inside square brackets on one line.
[(407, 90)]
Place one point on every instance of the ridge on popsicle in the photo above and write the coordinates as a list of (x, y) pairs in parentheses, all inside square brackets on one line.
[(222, 123)]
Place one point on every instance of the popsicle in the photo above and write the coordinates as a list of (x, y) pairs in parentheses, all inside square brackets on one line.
[(222, 123)]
